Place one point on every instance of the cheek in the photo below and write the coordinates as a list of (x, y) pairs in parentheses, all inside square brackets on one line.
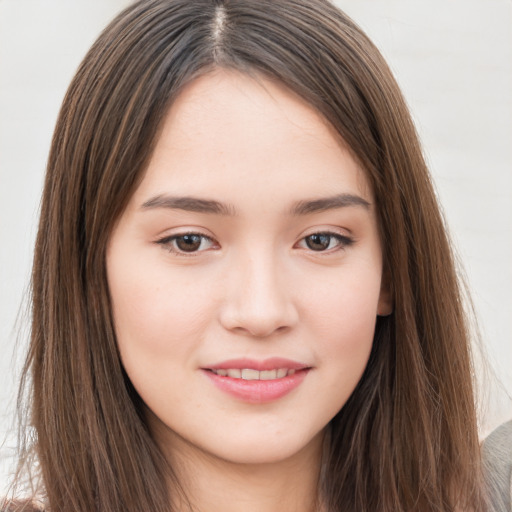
[(342, 319), (157, 313), (345, 301)]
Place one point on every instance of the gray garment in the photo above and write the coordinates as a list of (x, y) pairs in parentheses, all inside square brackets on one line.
[(497, 466)]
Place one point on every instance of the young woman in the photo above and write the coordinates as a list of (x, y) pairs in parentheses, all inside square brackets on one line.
[(244, 297)]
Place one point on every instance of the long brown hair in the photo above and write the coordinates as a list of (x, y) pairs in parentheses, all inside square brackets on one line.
[(406, 440)]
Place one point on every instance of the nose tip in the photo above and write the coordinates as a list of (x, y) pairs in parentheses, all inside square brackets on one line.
[(259, 305)]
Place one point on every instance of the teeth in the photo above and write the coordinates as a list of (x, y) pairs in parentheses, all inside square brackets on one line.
[(268, 375), (250, 374)]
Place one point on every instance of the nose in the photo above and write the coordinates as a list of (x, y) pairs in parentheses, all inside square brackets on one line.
[(258, 299)]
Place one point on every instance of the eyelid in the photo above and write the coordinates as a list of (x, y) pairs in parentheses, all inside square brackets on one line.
[(344, 240), (167, 242)]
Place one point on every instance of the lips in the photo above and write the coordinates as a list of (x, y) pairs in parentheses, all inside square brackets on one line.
[(257, 381)]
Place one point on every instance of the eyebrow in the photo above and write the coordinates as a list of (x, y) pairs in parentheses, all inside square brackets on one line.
[(328, 203), (190, 204), (303, 207)]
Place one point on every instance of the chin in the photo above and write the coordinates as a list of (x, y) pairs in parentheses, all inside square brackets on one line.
[(262, 450)]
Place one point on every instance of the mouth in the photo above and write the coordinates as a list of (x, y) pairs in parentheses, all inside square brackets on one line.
[(257, 381), (251, 374)]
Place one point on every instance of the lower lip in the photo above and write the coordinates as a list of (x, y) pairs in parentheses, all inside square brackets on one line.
[(258, 391)]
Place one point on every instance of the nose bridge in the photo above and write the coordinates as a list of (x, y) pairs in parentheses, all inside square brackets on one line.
[(259, 299)]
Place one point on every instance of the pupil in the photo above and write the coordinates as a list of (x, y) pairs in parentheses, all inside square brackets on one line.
[(318, 242), (188, 243)]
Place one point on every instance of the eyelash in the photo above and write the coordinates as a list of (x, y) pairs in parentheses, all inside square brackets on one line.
[(169, 241), (343, 241)]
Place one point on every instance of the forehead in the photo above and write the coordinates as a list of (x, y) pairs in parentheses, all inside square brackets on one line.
[(230, 134)]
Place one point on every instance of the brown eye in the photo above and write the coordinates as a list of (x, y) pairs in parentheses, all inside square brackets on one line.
[(318, 241), (321, 242), (188, 243)]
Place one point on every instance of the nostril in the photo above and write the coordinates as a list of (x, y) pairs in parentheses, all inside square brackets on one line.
[(261, 329)]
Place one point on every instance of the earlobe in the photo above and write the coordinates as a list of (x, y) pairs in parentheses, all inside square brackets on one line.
[(386, 298)]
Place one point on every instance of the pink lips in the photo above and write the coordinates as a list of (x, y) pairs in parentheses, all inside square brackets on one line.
[(258, 391)]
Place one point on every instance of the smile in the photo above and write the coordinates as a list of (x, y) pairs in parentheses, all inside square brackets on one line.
[(251, 374), (257, 382)]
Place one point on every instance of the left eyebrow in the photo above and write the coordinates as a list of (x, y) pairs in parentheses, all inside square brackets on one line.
[(328, 203)]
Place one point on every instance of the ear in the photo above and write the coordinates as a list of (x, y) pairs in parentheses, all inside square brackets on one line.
[(386, 297)]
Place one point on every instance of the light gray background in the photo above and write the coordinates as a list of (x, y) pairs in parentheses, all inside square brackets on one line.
[(453, 60)]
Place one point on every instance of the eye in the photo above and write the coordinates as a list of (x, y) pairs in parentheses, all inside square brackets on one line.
[(187, 243), (321, 242)]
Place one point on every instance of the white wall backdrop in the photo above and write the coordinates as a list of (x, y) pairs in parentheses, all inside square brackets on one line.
[(454, 63)]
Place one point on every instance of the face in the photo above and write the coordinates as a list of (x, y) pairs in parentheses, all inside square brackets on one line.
[(245, 273)]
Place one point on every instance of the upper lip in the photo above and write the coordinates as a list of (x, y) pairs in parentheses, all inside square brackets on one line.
[(273, 363)]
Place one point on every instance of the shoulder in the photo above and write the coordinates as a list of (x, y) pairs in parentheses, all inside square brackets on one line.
[(497, 467)]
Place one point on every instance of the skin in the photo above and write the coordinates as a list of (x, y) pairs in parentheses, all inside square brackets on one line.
[(253, 288)]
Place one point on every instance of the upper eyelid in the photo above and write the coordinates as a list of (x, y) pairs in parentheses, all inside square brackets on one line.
[(170, 234), (169, 238), (328, 230), (343, 239), (185, 233)]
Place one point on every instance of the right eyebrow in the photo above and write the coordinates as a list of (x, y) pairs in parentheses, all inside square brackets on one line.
[(189, 204)]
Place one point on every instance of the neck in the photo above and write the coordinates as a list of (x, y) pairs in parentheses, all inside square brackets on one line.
[(210, 483)]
